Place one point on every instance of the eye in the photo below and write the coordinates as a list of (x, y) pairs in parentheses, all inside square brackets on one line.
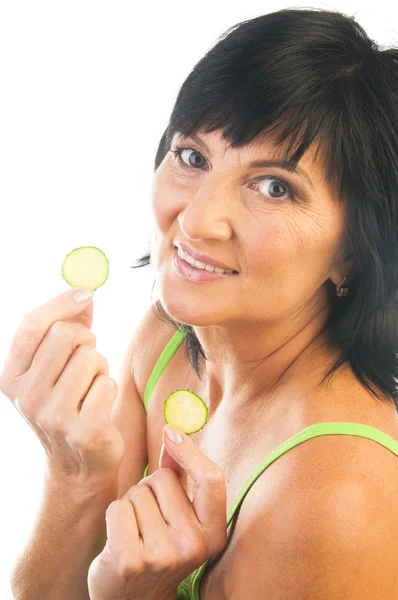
[(178, 152), (278, 182), (292, 193)]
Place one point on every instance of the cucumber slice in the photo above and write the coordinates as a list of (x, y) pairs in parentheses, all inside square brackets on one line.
[(185, 410), (86, 266)]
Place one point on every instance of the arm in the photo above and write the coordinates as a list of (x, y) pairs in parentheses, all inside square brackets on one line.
[(69, 532), (70, 528)]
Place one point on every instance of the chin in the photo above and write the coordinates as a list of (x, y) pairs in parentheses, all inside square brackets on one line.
[(196, 314)]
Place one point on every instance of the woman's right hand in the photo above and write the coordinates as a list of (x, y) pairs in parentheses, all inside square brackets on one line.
[(59, 382)]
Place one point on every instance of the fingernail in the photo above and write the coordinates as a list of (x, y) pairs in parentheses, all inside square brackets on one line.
[(82, 295), (174, 435)]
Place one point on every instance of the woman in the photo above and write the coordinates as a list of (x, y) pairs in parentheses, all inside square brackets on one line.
[(297, 344), (315, 294)]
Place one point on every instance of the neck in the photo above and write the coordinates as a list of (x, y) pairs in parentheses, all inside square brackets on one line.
[(257, 365)]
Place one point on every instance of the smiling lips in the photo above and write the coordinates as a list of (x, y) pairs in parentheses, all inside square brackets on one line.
[(196, 273), (200, 266), (203, 258)]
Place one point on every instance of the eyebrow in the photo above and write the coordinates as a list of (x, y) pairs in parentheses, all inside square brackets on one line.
[(258, 163)]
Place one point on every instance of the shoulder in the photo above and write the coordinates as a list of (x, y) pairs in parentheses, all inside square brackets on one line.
[(327, 529), (151, 337)]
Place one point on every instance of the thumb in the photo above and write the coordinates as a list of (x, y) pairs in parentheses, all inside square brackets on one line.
[(166, 461), (85, 316), (209, 486)]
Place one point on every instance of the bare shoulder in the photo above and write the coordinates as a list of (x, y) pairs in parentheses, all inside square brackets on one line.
[(329, 530), (324, 464), (318, 501), (348, 455), (324, 523), (355, 461), (128, 412), (152, 336)]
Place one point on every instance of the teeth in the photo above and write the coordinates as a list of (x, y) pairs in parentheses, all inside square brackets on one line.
[(199, 265)]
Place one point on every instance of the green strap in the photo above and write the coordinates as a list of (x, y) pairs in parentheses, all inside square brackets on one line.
[(160, 366), (162, 363), (315, 430)]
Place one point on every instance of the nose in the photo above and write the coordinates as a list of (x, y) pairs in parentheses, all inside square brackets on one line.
[(209, 213)]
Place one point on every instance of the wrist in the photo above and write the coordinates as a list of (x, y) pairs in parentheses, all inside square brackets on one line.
[(93, 491)]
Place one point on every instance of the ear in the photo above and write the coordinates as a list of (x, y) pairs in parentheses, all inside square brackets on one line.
[(346, 268)]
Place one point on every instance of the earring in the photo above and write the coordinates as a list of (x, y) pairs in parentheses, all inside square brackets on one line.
[(341, 291)]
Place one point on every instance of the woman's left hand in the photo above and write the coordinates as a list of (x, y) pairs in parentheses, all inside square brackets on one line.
[(156, 535)]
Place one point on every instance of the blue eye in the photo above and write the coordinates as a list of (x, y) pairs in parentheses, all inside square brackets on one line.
[(178, 153), (279, 182), (292, 193)]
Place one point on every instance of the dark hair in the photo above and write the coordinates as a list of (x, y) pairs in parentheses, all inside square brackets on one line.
[(315, 75)]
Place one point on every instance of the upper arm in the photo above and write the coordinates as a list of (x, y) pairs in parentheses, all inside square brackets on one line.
[(128, 412), (334, 538), (129, 417)]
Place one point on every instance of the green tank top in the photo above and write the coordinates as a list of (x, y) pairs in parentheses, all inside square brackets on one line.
[(189, 588)]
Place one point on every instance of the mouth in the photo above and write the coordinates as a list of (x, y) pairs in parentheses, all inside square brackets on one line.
[(202, 261), (197, 274)]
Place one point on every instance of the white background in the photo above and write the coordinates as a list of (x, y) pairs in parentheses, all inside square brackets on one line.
[(86, 93)]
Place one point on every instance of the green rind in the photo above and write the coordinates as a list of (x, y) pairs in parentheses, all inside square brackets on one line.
[(86, 266), (176, 420)]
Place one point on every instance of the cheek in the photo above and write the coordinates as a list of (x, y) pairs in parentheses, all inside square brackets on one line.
[(268, 244), (287, 246), (159, 210), (164, 202)]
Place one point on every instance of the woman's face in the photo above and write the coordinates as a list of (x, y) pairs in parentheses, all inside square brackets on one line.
[(285, 240)]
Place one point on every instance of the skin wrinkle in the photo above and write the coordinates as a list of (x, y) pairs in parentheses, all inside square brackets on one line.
[(260, 328)]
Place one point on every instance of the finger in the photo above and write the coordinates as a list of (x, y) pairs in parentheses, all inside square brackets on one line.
[(166, 461), (122, 530), (173, 501), (35, 325), (209, 488), (61, 379), (100, 399), (55, 349), (149, 519), (73, 386)]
